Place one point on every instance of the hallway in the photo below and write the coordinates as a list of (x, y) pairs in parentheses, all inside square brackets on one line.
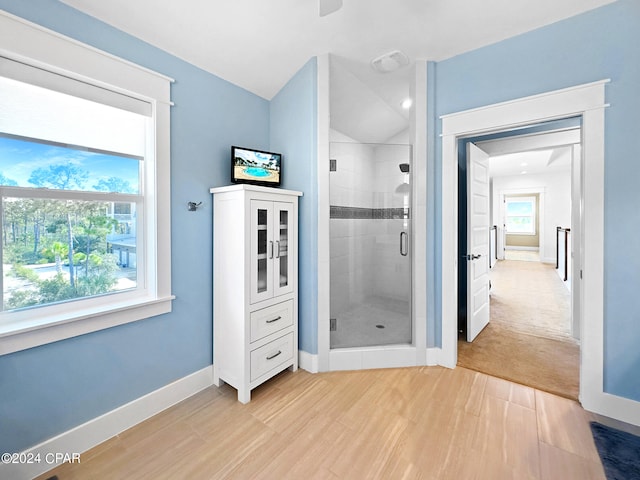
[(529, 339)]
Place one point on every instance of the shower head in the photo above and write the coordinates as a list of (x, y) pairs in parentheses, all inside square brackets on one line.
[(404, 167)]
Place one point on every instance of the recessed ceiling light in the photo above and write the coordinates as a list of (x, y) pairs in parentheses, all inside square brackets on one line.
[(406, 103), (523, 172)]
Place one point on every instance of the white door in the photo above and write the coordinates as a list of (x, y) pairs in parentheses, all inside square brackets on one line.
[(477, 241)]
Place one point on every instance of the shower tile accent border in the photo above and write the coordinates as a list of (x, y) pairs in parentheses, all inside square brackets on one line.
[(361, 213)]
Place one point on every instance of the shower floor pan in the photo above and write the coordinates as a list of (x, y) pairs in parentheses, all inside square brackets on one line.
[(377, 321)]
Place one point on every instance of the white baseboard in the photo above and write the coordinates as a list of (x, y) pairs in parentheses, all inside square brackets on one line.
[(612, 406), (364, 358), (308, 361), (433, 356), (95, 431)]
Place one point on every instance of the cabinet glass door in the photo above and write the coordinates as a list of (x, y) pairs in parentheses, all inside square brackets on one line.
[(283, 257), (261, 251)]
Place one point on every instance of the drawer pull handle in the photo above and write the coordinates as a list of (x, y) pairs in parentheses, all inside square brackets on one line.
[(274, 355), (274, 319)]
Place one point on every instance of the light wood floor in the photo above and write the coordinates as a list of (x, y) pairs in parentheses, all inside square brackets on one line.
[(429, 422)]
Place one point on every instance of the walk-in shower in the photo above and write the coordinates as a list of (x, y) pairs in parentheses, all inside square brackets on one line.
[(370, 232)]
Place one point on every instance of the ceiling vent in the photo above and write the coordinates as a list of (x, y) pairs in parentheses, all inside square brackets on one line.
[(390, 62), (326, 7)]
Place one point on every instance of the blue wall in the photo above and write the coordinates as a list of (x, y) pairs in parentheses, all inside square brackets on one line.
[(294, 114), (50, 389), (47, 390), (596, 45)]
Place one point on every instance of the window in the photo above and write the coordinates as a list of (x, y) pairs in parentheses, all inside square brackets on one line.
[(84, 178), (521, 215), (73, 241)]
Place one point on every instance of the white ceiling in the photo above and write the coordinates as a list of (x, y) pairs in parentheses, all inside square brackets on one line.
[(365, 105), (540, 153), (260, 44), (531, 163)]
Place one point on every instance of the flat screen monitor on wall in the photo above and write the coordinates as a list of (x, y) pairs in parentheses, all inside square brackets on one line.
[(255, 166)]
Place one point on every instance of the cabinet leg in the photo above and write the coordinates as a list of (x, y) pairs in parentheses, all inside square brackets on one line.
[(244, 395)]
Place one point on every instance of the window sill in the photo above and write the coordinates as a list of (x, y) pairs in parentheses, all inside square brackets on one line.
[(21, 335)]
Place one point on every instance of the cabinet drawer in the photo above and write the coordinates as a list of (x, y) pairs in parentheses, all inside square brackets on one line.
[(271, 356), (271, 319)]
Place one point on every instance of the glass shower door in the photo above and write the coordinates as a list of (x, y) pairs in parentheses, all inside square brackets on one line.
[(370, 232)]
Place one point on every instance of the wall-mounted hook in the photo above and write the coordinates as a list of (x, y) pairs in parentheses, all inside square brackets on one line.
[(193, 206)]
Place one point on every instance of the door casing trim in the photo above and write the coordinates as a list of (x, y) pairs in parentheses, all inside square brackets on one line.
[(588, 102)]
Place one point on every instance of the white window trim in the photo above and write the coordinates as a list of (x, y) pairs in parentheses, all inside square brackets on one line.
[(531, 200), (29, 43)]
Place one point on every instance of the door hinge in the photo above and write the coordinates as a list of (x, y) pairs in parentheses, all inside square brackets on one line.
[(333, 165), (580, 274), (333, 324)]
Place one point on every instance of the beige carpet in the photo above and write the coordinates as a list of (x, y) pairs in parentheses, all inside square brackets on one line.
[(528, 339)]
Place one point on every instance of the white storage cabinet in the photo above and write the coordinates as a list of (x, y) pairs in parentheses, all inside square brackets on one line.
[(255, 285)]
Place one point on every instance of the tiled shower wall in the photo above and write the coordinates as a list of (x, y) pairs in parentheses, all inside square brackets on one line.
[(367, 216)]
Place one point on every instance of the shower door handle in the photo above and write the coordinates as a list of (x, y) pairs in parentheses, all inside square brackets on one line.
[(404, 240)]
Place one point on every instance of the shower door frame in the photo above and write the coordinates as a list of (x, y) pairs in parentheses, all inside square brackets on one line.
[(397, 355), (355, 212), (417, 354)]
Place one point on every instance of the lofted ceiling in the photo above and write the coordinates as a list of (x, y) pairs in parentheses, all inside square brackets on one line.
[(260, 44), (365, 105)]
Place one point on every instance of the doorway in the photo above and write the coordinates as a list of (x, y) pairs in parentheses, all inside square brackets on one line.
[(586, 101), (527, 338), (514, 189)]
